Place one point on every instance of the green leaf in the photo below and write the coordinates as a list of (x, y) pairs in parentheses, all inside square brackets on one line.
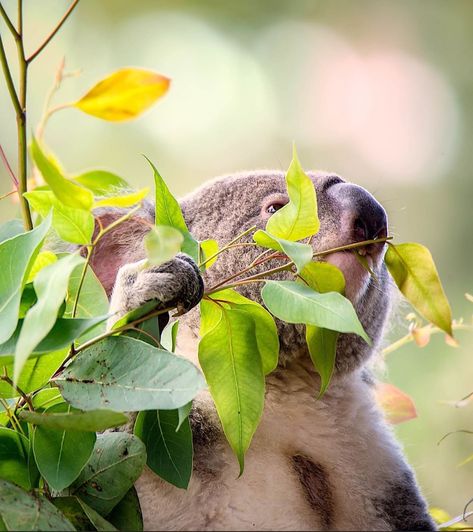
[(116, 463), (61, 454), (138, 376), (168, 451), (95, 518), (127, 513), (208, 248), (14, 458), (183, 414), (266, 332), (169, 336), (44, 258), (168, 212), (126, 200), (101, 182), (300, 254), (92, 421), (25, 511), (162, 243), (71, 224), (235, 377), (10, 229), (74, 512), (298, 219), (322, 343), (66, 191), (294, 303), (16, 257), (46, 398), (413, 269), (50, 286)]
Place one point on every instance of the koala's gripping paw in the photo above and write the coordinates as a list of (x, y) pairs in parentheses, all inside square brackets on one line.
[(175, 283)]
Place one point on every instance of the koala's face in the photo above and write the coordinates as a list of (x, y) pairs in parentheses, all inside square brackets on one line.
[(227, 206)]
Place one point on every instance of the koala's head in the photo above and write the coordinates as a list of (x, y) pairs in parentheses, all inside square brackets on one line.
[(226, 206)]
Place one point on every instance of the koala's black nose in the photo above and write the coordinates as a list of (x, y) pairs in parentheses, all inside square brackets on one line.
[(367, 217)]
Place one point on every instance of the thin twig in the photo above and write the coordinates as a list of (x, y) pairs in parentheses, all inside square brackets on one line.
[(227, 246), (35, 54), (8, 22), (9, 170), (14, 191), (17, 389), (9, 79)]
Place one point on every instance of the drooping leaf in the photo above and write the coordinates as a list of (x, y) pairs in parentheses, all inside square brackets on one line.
[(92, 421), (127, 513), (169, 336), (149, 379), (71, 224), (17, 255), (126, 200), (101, 182), (10, 229), (99, 523), (298, 219), (65, 190), (168, 212), (208, 248), (115, 465), (294, 303), (300, 254), (43, 259), (397, 405), (50, 286), (20, 510), (14, 458), (162, 243), (265, 329), (61, 454), (124, 94), (168, 451), (412, 268), (322, 343), (235, 377)]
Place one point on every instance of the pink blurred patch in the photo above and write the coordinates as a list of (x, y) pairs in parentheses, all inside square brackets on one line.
[(397, 405)]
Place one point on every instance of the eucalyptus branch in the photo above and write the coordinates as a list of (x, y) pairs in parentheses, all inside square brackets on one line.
[(8, 78), (35, 54), (11, 416), (8, 22), (228, 246), (17, 389)]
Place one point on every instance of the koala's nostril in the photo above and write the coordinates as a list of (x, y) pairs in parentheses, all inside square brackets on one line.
[(360, 230)]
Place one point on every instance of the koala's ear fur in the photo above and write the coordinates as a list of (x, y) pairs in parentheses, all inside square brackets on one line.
[(122, 245)]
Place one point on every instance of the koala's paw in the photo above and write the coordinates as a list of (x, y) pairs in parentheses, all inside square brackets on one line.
[(174, 283)]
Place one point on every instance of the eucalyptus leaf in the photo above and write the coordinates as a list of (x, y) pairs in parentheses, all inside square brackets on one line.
[(66, 191), (73, 511), (17, 255), (168, 449), (102, 182), (298, 219), (235, 377), (116, 463), (294, 303), (14, 458), (127, 200), (24, 511), (99, 522), (300, 254), (43, 259), (183, 414), (413, 269), (169, 336), (125, 374), (162, 243), (208, 248), (46, 398), (127, 513), (50, 286), (61, 454), (10, 229)]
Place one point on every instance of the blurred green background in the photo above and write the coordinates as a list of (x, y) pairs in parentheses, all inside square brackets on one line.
[(378, 91)]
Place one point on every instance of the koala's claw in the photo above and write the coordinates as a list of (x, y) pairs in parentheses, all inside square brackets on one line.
[(176, 283)]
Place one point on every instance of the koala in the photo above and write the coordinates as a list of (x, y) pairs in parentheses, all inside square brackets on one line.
[(314, 464)]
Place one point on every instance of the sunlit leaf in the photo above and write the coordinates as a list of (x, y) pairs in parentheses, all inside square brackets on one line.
[(300, 254), (66, 191), (168, 451), (43, 259), (294, 303), (162, 243), (298, 219), (115, 465), (168, 382), (20, 510), (46, 398), (397, 405), (71, 224), (208, 248), (14, 458), (126, 200), (50, 286), (235, 377), (168, 212), (124, 94), (413, 269), (101, 182), (17, 255)]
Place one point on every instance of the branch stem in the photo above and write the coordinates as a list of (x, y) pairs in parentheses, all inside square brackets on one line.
[(8, 22)]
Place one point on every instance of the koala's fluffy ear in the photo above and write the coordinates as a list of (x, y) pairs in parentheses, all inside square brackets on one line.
[(122, 245)]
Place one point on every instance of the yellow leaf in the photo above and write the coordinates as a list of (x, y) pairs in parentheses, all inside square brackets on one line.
[(397, 405), (123, 95), (43, 259), (123, 201)]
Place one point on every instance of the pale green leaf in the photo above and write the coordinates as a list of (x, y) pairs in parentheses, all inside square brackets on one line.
[(43, 259), (413, 269), (300, 254), (66, 191), (162, 243), (10, 229), (208, 248), (169, 336), (298, 219), (183, 414), (101, 182), (126, 200), (17, 255)]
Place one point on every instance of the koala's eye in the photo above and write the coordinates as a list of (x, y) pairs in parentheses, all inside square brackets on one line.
[(271, 209)]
